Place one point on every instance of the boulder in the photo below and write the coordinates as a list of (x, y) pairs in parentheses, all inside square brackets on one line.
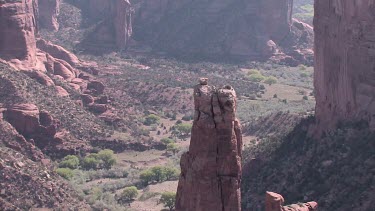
[(24, 118), (211, 169), (61, 91), (274, 202), (41, 77), (87, 99), (98, 108), (58, 52), (96, 86)]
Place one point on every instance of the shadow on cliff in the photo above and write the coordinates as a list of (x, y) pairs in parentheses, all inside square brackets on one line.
[(335, 170)]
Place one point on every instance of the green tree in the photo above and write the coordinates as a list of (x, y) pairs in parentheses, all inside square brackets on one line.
[(151, 119), (70, 161), (107, 157), (158, 173), (146, 176), (171, 173), (270, 80), (169, 200), (129, 194), (173, 148), (183, 130), (91, 161), (66, 173)]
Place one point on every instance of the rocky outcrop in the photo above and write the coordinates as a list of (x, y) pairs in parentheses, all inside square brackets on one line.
[(274, 202), (42, 130), (17, 32), (211, 169), (344, 62), (259, 30), (48, 12), (114, 24)]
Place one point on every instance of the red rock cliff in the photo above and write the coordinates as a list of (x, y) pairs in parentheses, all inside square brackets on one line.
[(17, 29), (48, 12), (211, 169), (259, 30), (115, 29), (344, 61)]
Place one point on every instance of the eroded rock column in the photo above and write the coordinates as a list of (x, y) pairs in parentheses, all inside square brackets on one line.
[(211, 169)]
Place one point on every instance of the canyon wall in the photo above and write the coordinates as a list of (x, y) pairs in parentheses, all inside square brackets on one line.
[(17, 31), (211, 169), (223, 28), (48, 12), (114, 23), (344, 62)]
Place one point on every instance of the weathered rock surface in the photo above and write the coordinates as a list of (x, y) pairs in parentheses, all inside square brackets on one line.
[(115, 24), (259, 30), (211, 169), (344, 62), (274, 202), (48, 12), (17, 30)]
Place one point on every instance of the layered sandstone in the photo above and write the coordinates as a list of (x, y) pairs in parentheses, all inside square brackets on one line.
[(344, 62), (48, 12), (259, 30), (211, 169)]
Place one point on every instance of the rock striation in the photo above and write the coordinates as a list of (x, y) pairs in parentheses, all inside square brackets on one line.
[(211, 169), (114, 23), (274, 202), (17, 32), (48, 12), (259, 30), (344, 62)]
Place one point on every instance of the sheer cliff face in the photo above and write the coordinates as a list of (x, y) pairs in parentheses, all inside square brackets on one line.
[(17, 29), (115, 28), (345, 61), (245, 29), (211, 169), (48, 12)]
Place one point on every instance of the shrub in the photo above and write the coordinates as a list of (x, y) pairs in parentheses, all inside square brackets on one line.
[(129, 194), (66, 173), (159, 174), (70, 161), (172, 147), (253, 71), (107, 158), (270, 80), (183, 130), (304, 75), (146, 176), (167, 141), (148, 195), (256, 77), (151, 119), (305, 98), (171, 173), (275, 96), (168, 199), (90, 162)]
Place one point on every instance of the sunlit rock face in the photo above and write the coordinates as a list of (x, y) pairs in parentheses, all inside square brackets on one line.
[(250, 29), (344, 62), (211, 169), (17, 31)]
